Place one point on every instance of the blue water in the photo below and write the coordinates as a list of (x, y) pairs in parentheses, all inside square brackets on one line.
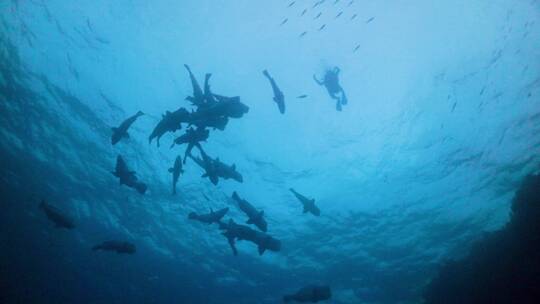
[(440, 128)]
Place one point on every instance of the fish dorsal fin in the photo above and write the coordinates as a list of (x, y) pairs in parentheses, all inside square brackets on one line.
[(305, 209), (171, 170), (261, 250)]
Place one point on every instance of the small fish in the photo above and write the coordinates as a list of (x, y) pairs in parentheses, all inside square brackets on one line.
[(302, 96), (284, 21), (354, 16), (317, 17), (291, 4), (322, 27), (356, 48), (454, 106), (302, 35), (370, 19), (318, 3), (303, 12), (350, 3), (340, 13)]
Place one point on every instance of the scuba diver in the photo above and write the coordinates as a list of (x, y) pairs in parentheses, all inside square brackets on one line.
[(331, 82)]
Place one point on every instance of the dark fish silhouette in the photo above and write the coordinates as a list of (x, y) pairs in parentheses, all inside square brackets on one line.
[(310, 294), (170, 122), (214, 168), (302, 96), (309, 204), (370, 19), (176, 170), (255, 217), (284, 21), (322, 27), (350, 3), (233, 232), (56, 216), (302, 35), (279, 98), (121, 131), (118, 246), (339, 14), (192, 137), (318, 15), (128, 177), (291, 4), (209, 218), (354, 16), (356, 48), (198, 97), (303, 12)]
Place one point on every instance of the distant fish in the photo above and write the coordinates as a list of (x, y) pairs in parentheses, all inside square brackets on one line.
[(454, 106), (356, 48), (302, 96), (354, 16), (317, 17), (350, 3), (303, 12), (302, 35), (56, 216), (370, 19), (284, 21), (291, 4), (335, 2), (322, 27), (318, 3), (338, 15)]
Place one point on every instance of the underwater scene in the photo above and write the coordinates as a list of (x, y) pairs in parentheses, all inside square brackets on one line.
[(270, 151)]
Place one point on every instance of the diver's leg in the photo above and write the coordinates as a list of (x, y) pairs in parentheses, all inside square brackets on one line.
[(343, 97)]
